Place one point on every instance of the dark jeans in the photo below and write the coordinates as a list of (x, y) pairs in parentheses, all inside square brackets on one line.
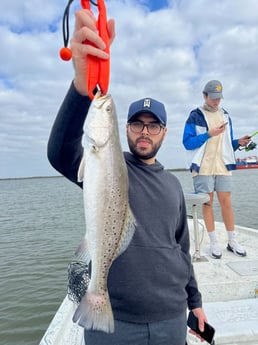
[(167, 332)]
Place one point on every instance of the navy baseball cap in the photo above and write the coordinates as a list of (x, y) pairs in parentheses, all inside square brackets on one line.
[(148, 105)]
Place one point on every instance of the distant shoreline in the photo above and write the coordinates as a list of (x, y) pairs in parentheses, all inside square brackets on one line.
[(29, 177), (58, 176)]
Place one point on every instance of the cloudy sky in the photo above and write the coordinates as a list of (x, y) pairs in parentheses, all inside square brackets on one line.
[(167, 50)]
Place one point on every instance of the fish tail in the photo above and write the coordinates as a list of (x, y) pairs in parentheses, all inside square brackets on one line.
[(95, 312)]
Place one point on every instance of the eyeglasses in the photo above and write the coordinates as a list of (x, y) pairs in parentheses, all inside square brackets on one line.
[(152, 127)]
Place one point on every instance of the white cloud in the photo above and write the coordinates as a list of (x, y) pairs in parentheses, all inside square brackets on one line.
[(167, 54)]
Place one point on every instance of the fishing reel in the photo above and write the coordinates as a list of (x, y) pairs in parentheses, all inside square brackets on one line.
[(250, 146)]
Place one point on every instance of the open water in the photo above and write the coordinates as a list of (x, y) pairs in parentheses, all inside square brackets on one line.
[(41, 224)]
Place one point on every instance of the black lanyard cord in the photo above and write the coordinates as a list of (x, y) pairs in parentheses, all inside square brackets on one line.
[(66, 23)]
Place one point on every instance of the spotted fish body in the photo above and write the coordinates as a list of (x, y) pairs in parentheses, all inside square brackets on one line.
[(109, 221)]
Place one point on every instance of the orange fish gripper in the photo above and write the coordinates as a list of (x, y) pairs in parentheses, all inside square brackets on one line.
[(98, 71)]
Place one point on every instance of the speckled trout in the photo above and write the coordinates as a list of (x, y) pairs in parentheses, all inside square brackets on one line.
[(110, 223)]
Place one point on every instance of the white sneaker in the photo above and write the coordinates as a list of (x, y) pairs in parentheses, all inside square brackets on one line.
[(235, 248), (215, 251)]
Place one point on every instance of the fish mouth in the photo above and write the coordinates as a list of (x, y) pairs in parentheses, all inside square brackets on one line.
[(101, 99)]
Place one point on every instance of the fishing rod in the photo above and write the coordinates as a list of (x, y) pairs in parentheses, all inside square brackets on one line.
[(253, 134)]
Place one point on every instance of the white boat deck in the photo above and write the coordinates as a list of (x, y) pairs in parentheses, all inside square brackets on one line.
[(229, 287), (62, 330)]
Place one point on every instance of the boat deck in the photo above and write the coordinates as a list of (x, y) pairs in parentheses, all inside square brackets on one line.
[(229, 287)]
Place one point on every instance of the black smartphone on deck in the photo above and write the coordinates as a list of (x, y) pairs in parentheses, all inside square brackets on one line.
[(224, 125), (207, 334)]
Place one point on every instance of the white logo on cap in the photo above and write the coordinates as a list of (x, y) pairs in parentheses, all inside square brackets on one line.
[(147, 103)]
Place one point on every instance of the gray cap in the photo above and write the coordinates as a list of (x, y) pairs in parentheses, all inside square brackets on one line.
[(214, 89)]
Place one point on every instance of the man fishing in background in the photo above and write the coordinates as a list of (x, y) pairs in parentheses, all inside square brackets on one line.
[(152, 283), (208, 139)]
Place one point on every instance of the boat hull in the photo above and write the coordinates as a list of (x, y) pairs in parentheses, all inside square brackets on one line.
[(249, 166), (250, 162)]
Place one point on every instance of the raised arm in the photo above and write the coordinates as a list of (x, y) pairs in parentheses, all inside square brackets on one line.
[(64, 145)]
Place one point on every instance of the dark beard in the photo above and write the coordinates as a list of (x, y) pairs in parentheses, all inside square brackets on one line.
[(140, 154)]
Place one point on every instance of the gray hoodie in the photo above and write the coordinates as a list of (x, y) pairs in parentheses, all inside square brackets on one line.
[(153, 279)]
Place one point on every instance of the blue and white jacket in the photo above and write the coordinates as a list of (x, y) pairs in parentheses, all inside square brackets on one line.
[(195, 138)]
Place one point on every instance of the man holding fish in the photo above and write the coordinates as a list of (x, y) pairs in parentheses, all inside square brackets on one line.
[(142, 279)]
